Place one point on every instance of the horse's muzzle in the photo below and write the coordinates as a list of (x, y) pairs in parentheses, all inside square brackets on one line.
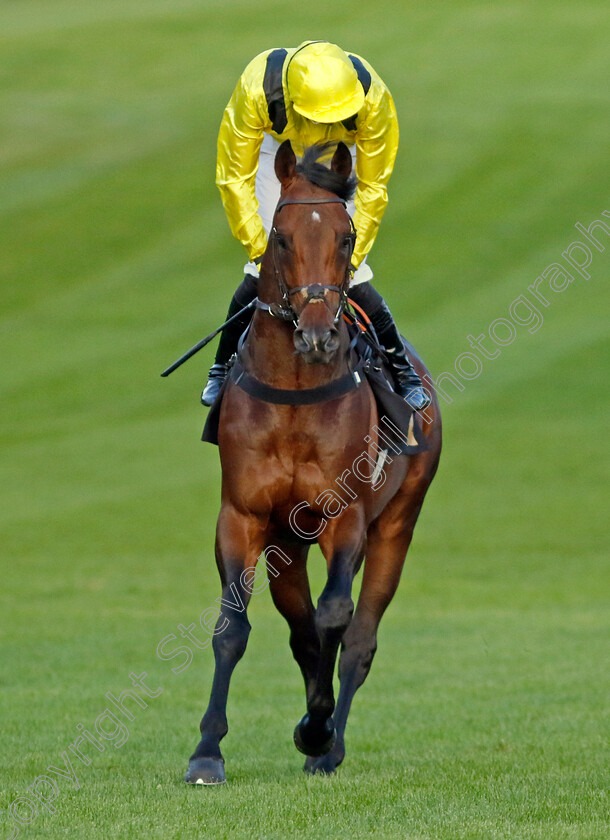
[(317, 346)]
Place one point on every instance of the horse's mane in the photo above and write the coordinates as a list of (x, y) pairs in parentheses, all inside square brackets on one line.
[(321, 176)]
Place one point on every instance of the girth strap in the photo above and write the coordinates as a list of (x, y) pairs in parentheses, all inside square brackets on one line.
[(292, 396)]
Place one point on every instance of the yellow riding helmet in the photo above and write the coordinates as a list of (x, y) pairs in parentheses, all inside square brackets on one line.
[(323, 84)]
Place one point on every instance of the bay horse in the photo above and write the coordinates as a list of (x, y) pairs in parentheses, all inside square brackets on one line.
[(279, 458)]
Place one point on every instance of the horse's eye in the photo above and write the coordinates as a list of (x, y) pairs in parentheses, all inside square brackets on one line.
[(281, 241), (346, 244)]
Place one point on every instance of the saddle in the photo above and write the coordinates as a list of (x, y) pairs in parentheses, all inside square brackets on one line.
[(399, 426)]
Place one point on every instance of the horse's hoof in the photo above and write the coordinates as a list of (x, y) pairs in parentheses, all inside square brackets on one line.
[(314, 740), (206, 771), (324, 765)]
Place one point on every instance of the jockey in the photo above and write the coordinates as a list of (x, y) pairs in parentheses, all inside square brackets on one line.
[(313, 93)]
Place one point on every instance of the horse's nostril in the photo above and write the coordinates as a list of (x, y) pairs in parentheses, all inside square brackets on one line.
[(331, 340), (301, 341)]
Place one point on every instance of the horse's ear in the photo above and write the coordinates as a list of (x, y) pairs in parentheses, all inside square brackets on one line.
[(285, 162), (342, 161)]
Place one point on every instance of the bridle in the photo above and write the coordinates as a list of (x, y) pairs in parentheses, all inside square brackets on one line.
[(315, 291), (336, 388)]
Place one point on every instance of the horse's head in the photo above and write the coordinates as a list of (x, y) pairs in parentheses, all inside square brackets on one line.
[(311, 246)]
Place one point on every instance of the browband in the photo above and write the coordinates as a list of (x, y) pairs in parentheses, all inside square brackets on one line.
[(310, 201)]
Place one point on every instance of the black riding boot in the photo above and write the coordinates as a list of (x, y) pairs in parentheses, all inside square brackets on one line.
[(407, 382), (229, 338)]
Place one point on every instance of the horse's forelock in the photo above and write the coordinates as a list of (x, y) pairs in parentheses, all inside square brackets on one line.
[(321, 176)]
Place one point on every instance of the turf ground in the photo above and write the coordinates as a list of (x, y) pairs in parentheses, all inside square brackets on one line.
[(485, 715)]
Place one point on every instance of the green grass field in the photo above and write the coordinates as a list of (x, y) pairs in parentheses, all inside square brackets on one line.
[(485, 715)]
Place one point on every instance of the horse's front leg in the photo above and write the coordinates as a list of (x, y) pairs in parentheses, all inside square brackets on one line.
[(239, 542), (343, 548)]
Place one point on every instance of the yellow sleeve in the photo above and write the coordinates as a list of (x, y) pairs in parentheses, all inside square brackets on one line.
[(377, 144), (239, 141)]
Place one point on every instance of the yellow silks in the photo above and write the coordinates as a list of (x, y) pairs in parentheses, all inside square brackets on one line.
[(245, 122)]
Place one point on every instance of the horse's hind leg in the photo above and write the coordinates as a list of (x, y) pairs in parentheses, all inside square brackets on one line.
[(238, 546), (388, 542)]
